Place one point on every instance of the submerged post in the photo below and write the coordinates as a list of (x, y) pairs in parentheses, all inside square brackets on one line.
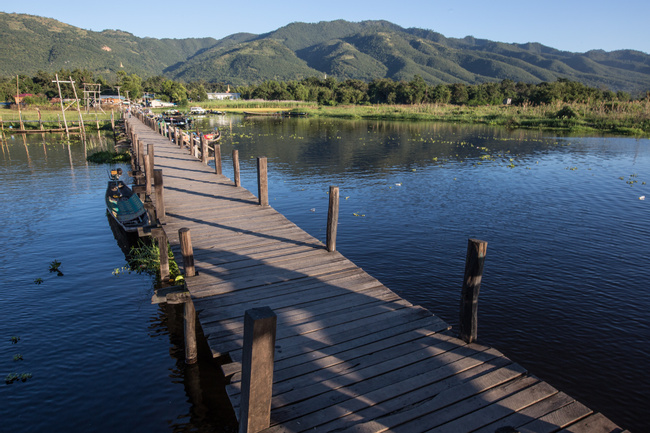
[(257, 369), (262, 181), (186, 251), (235, 166), (217, 158), (189, 322), (158, 189), (476, 250), (332, 218)]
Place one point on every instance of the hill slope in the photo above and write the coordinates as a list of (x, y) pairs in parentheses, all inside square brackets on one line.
[(342, 49)]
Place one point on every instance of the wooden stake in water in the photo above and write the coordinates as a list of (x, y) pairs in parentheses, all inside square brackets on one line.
[(262, 181), (235, 164), (474, 260), (332, 218)]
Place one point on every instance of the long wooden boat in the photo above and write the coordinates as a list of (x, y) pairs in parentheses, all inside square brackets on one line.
[(123, 205), (261, 113)]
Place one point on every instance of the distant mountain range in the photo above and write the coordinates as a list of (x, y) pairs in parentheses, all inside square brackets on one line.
[(340, 49)]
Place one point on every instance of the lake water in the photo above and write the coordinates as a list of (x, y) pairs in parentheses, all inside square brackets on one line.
[(563, 291)]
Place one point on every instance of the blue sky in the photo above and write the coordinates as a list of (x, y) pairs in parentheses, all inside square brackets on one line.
[(568, 25)]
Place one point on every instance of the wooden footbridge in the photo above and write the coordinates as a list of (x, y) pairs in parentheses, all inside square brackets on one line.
[(348, 354)]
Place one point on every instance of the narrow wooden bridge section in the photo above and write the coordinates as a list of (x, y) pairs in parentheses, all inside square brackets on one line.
[(350, 355)]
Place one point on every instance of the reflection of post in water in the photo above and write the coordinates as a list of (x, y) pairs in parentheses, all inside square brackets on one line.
[(29, 160), (44, 146), (205, 385)]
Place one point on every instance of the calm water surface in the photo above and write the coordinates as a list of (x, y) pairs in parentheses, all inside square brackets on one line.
[(563, 290)]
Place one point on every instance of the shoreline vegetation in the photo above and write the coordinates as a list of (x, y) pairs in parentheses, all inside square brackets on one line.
[(563, 105), (630, 118)]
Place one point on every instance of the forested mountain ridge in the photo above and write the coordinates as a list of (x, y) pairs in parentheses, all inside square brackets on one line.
[(366, 50)]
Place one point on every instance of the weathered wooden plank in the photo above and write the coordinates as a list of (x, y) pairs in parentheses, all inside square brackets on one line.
[(596, 423), (395, 381), (557, 419), (537, 410), (393, 397), (488, 414), (293, 316)]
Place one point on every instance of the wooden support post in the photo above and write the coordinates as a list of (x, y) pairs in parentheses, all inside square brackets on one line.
[(235, 164), (148, 174), (332, 218), (161, 239), (262, 181), (189, 320), (186, 252), (474, 260), (178, 136), (257, 369), (160, 201), (170, 133), (204, 148), (140, 146), (217, 158), (150, 150)]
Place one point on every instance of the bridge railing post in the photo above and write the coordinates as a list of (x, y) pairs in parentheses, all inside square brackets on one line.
[(159, 191), (262, 181), (204, 148), (235, 166), (332, 218), (476, 250), (217, 158), (187, 252), (257, 369)]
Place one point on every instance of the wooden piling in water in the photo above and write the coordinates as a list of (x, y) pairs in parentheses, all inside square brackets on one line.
[(235, 165), (332, 218), (258, 354), (158, 189), (217, 158), (262, 181), (186, 251), (476, 250)]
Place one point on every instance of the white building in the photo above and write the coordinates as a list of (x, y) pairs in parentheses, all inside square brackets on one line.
[(222, 96), (158, 103)]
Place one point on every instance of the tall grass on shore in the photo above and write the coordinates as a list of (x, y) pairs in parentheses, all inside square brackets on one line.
[(630, 118)]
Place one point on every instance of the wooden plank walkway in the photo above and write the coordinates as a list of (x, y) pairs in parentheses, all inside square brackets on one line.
[(351, 355)]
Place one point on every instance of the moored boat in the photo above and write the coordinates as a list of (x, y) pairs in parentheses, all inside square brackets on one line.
[(123, 205), (213, 136)]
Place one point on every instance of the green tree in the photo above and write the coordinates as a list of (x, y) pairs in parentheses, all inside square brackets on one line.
[(131, 84)]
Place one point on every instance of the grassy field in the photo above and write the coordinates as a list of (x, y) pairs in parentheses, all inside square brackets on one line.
[(52, 118)]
